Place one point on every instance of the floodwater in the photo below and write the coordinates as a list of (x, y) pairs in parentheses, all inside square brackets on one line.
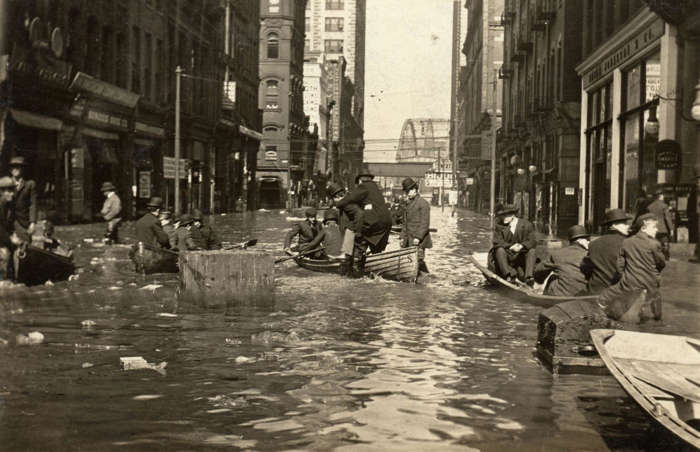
[(329, 364)]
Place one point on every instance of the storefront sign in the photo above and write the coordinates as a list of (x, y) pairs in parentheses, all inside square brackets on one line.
[(144, 184), (229, 100), (623, 53), (169, 168), (569, 191), (108, 119), (34, 65), (149, 129), (107, 91), (668, 155)]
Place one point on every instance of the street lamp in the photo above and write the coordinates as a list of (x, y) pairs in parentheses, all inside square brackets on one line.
[(695, 110)]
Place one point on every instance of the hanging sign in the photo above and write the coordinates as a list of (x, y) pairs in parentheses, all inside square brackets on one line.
[(668, 154)]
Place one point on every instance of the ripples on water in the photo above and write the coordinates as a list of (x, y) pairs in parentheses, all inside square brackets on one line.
[(331, 363)]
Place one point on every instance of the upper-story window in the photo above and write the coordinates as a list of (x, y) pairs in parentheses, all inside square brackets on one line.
[(307, 24), (333, 45), (335, 4), (274, 6), (272, 88), (273, 46), (334, 24)]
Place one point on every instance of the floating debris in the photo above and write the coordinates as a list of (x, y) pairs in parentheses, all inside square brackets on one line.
[(243, 359), (3, 342), (151, 287), (87, 365), (137, 362), (48, 283), (147, 396), (233, 341), (88, 323), (33, 338), (166, 314)]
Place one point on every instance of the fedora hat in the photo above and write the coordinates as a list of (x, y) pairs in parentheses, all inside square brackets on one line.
[(334, 188), (577, 231), (408, 184), (364, 172), (330, 214), (155, 201), (639, 222), (108, 186), (18, 161), (185, 219), (6, 182), (506, 210), (615, 216)]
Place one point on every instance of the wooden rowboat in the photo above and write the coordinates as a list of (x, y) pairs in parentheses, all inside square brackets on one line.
[(660, 372), (519, 291), (396, 265), (36, 266), (149, 260)]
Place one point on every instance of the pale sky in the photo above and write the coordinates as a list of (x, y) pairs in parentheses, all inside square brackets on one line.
[(407, 66)]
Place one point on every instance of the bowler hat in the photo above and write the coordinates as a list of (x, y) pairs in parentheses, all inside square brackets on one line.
[(577, 231), (18, 161), (197, 215), (334, 188), (506, 210), (639, 222), (330, 214), (310, 212), (408, 184), (185, 219), (155, 201), (108, 186), (364, 172), (6, 182), (615, 216)]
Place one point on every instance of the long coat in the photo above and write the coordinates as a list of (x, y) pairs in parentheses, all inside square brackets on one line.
[(25, 203), (416, 223), (524, 234), (331, 238), (566, 263), (305, 230), (150, 232), (376, 219), (660, 209), (601, 263)]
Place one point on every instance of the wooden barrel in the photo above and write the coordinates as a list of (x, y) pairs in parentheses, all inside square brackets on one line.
[(220, 276)]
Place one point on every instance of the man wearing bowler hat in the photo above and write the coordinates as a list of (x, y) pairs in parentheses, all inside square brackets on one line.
[(659, 208), (415, 225), (513, 253), (568, 278), (149, 230), (183, 234), (8, 239), (111, 212), (25, 198), (601, 263)]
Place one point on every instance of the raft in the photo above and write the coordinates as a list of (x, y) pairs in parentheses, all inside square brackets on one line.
[(396, 265), (520, 291), (660, 372), (36, 266), (148, 260)]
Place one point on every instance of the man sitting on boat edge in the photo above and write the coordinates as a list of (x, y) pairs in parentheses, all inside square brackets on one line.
[(149, 230), (306, 231), (183, 234), (601, 263), (329, 237), (568, 278), (512, 255)]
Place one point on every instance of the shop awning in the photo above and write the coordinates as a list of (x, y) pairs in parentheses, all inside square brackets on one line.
[(99, 134), (250, 133), (36, 121)]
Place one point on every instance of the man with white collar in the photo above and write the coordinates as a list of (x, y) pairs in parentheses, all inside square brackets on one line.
[(601, 263), (513, 253), (25, 199)]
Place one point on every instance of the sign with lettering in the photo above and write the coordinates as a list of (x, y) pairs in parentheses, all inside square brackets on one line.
[(623, 53), (37, 65), (144, 184), (169, 168), (149, 129), (668, 155), (107, 119)]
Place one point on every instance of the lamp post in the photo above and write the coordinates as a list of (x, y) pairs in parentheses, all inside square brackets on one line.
[(178, 76)]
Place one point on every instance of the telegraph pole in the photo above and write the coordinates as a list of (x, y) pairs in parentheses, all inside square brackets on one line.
[(178, 76), (456, 48)]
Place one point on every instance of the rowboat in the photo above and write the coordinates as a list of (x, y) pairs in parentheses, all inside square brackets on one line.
[(396, 265), (36, 266), (660, 372), (520, 291), (149, 260)]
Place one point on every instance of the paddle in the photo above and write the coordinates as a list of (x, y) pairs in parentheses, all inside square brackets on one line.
[(244, 245), (303, 253)]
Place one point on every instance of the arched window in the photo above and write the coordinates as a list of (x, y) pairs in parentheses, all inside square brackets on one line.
[(272, 88), (273, 46), (271, 129)]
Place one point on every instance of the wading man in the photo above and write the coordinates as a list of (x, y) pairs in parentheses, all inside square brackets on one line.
[(415, 229), (111, 212), (25, 199), (660, 209)]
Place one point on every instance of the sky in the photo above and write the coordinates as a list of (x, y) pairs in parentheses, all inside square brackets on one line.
[(407, 67)]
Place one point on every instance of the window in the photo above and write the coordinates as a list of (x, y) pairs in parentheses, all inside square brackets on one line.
[(334, 4), (148, 58), (274, 6), (106, 72), (307, 24), (599, 152), (334, 24), (333, 45), (273, 46), (272, 88), (307, 45), (272, 105), (136, 62)]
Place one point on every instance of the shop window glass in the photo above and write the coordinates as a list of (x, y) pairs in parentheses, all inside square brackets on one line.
[(274, 6), (632, 187), (633, 93), (652, 77)]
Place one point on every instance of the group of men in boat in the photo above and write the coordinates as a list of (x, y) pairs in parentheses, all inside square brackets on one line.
[(358, 223), (622, 267)]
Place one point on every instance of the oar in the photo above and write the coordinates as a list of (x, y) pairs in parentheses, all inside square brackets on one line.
[(303, 253), (246, 244)]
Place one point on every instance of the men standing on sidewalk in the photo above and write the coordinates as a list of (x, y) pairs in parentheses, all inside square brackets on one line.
[(111, 212), (659, 208), (601, 263), (25, 199), (148, 228), (415, 227)]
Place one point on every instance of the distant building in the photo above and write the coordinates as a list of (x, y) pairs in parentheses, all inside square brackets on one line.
[(317, 106), (280, 164)]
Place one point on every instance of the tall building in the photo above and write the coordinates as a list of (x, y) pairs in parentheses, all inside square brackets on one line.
[(480, 101), (280, 170), (88, 93), (317, 105)]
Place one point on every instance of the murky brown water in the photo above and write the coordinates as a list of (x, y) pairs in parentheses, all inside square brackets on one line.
[(329, 364)]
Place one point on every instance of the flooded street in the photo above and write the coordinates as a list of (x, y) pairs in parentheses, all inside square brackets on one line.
[(331, 363)]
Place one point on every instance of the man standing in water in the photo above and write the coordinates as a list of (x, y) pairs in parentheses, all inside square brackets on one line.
[(415, 230), (601, 263), (8, 239), (111, 212), (659, 208), (25, 199)]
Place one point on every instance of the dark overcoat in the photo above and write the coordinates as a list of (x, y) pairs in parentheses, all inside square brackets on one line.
[(660, 210), (566, 263), (524, 234), (601, 263), (25, 203), (6, 225), (306, 231), (150, 232), (416, 223), (376, 219)]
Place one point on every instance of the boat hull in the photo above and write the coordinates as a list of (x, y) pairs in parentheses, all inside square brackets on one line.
[(520, 292), (660, 372), (36, 266), (148, 261)]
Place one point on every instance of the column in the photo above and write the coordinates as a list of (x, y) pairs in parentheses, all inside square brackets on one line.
[(582, 167), (617, 148)]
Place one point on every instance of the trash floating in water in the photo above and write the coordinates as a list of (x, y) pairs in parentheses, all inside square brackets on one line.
[(114, 288), (147, 396), (151, 287), (269, 337), (218, 410), (166, 314), (243, 359), (88, 323), (87, 365), (3, 342), (233, 341), (73, 277), (33, 338), (17, 311), (137, 362), (89, 240), (48, 283), (294, 218), (509, 425)]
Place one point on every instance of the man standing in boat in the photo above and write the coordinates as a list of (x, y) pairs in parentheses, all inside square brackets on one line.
[(415, 228), (25, 199), (111, 212), (639, 264), (568, 278), (513, 253), (601, 263), (203, 234), (149, 230)]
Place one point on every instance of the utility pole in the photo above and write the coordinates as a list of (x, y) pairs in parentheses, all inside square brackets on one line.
[(456, 48), (178, 76)]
